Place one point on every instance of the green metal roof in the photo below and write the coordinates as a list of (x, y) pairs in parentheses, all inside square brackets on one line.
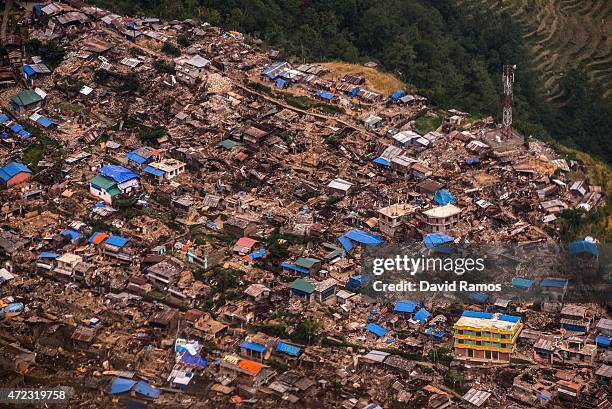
[(302, 285), (25, 98), (107, 184), (306, 262), (228, 144)]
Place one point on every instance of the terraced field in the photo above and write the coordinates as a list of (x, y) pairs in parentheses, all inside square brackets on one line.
[(562, 34)]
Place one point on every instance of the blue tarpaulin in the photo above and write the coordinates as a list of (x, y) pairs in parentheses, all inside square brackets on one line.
[(603, 341), (269, 71), (326, 95), (433, 240), (509, 318), (421, 315), (24, 134), (253, 346), (121, 385), (354, 92), (16, 128), (479, 297), (155, 172), (294, 268), (72, 234), (29, 71), (280, 83), (397, 95), (472, 161), (583, 247), (436, 334), (522, 283), (376, 330), (405, 306), (554, 282), (117, 241), (44, 121), (134, 157), (4, 118), (477, 314), (46, 254), (382, 161), (258, 254), (288, 349), (361, 237), (13, 307), (444, 197), (346, 243), (147, 390), (355, 281), (119, 174), (196, 359)]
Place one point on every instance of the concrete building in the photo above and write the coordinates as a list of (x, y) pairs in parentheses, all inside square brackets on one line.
[(188, 70), (440, 219), (485, 337), (392, 219), (165, 169)]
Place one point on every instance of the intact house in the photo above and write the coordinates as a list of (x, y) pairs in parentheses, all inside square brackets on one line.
[(392, 219), (440, 219), (311, 290), (27, 100), (113, 180), (143, 156), (14, 173), (339, 187), (67, 264), (486, 337), (165, 169), (239, 227), (188, 70)]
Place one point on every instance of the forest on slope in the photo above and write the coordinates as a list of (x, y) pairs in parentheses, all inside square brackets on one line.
[(449, 54)]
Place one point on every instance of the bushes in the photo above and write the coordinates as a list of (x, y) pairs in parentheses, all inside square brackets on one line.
[(170, 49), (163, 67)]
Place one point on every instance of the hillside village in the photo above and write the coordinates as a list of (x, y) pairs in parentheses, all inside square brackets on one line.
[(185, 216)]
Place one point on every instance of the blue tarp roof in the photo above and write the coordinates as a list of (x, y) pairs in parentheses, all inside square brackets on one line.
[(405, 306), (346, 243), (280, 83), (16, 128), (382, 161), (74, 235), (355, 91), (444, 197), (477, 314), (421, 315), (288, 349), (253, 346), (361, 237), (134, 157), (147, 390), (119, 174), (196, 359), (13, 307), (4, 135), (376, 329), (117, 241), (326, 95), (437, 334), (44, 121), (603, 341), (294, 268), (583, 246), (472, 161), (554, 282), (397, 95), (29, 71), (522, 282), (121, 385), (46, 254), (258, 254), (268, 71), (4, 118), (433, 240), (153, 171), (479, 297), (509, 318), (355, 281), (25, 134)]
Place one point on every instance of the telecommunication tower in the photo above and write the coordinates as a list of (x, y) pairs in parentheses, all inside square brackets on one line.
[(508, 80)]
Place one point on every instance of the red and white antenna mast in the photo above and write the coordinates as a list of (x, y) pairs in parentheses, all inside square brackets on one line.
[(508, 80)]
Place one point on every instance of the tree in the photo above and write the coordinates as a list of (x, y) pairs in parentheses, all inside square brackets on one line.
[(170, 49)]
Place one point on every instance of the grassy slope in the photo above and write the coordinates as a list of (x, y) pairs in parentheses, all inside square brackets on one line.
[(375, 80)]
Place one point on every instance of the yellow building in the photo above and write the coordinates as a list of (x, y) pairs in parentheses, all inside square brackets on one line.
[(486, 337)]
